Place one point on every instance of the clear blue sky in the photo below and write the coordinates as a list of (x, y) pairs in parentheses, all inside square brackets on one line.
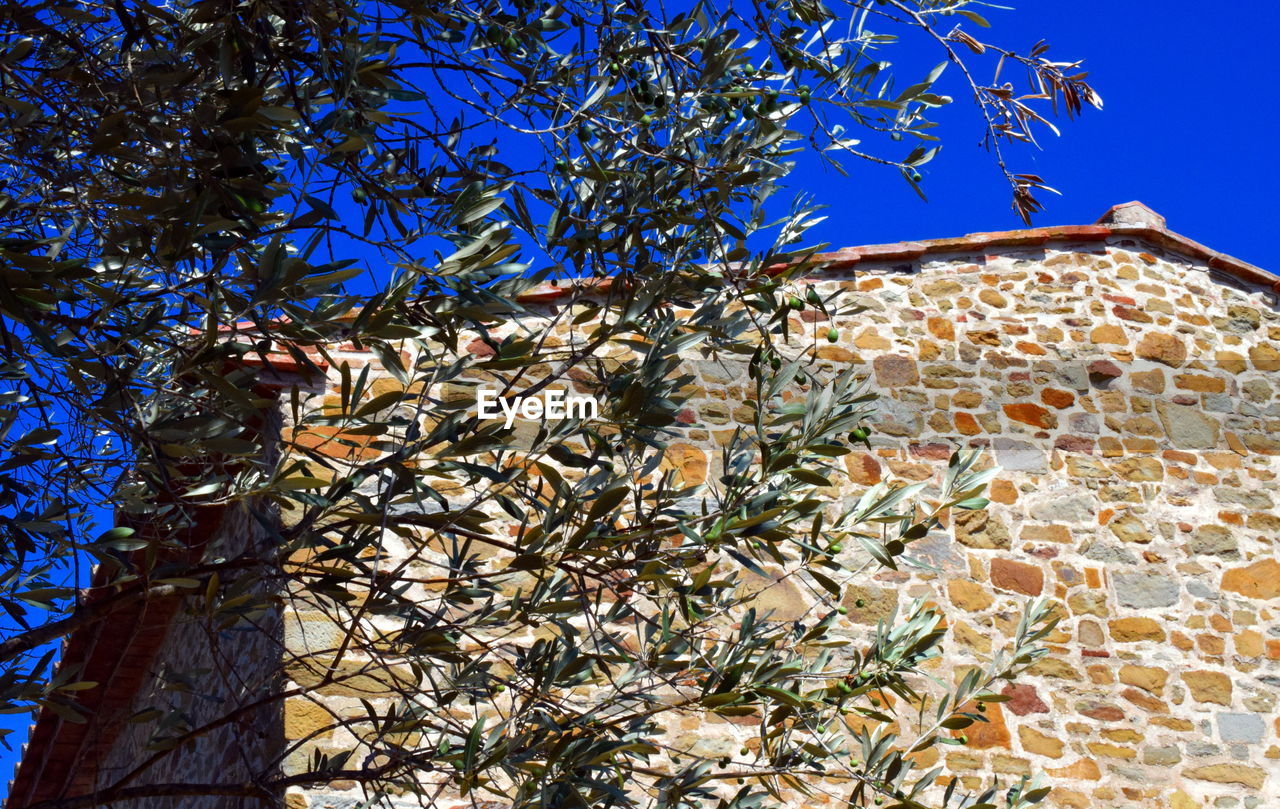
[(1190, 111), (1189, 115)]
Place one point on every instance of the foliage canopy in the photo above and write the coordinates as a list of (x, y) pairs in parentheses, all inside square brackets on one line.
[(184, 179)]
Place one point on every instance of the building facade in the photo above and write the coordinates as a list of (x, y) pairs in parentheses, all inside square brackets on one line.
[(1127, 382)]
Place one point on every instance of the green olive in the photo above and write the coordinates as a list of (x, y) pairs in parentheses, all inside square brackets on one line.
[(916, 177), (833, 334), (795, 303), (860, 603)]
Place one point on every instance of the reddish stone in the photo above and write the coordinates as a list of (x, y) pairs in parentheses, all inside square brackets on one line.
[(1125, 299), (1104, 713), (1007, 574), (967, 424), (1135, 315), (894, 371), (1074, 443), (992, 733), (1057, 398), (1144, 701), (1023, 700), (1104, 370), (863, 468), (1032, 414), (479, 348), (933, 452)]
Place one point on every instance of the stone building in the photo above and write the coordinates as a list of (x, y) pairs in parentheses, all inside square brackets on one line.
[(1127, 381)]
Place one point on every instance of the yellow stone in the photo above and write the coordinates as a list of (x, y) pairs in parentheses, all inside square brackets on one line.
[(1144, 677), (1229, 774), (968, 595), (1181, 800), (1033, 741), (1132, 630), (1209, 686), (302, 717), (1086, 769), (1111, 750)]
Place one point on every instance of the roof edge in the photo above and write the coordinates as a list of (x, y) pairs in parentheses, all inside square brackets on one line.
[(1132, 219)]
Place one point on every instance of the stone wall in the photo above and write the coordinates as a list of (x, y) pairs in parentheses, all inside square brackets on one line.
[(205, 671), (1132, 398)]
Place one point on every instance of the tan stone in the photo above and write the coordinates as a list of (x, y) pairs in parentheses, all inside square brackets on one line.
[(1208, 686), (350, 678), (1181, 800), (1229, 774), (1164, 348), (877, 603), (981, 529), (1086, 769), (1130, 529), (1258, 580), (868, 339), (688, 461), (1103, 750), (1109, 333), (1145, 677), (1033, 741), (968, 595), (942, 329), (1132, 630), (1249, 643), (1265, 357), (776, 599), (302, 718)]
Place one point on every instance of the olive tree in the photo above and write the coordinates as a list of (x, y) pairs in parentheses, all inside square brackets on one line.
[(192, 186)]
